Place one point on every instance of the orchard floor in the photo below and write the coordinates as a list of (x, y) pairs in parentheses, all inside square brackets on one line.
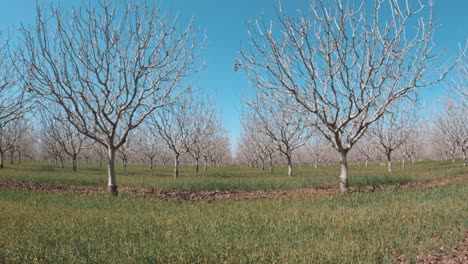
[(50, 215), (209, 196), (232, 177)]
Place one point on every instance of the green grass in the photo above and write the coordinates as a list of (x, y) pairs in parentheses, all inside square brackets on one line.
[(368, 228), (230, 178), (37, 227)]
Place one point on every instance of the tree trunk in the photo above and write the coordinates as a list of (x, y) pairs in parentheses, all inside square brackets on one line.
[(151, 163), (61, 163), (403, 163), (1, 160), (12, 155), (389, 163), (19, 157), (74, 165), (367, 162), (124, 163), (112, 184), (344, 185), (263, 165), (176, 166), (271, 165), (464, 160), (196, 164), (205, 164), (289, 165)]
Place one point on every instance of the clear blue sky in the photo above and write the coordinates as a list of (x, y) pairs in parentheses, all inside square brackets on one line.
[(225, 24)]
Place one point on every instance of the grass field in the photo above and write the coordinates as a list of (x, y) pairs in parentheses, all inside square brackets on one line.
[(41, 227)]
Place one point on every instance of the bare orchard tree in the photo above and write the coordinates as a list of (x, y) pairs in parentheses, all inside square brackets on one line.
[(222, 153), (64, 134), (460, 83), (16, 131), (282, 125), (444, 146), (343, 63), (246, 153), (317, 149), (10, 135), (26, 143), (150, 146), (13, 102), (264, 147), (412, 147), (366, 149), (392, 130), (51, 147), (175, 125), (452, 124), (267, 148), (99, 153), (205, 128), (128, 149), (252, 138), (108, 67)]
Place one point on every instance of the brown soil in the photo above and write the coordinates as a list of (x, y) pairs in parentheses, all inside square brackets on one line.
[(196, 196), (456, 255)]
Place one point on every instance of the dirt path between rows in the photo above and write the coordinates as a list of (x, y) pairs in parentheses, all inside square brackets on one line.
[(458, 254), (209, 196)]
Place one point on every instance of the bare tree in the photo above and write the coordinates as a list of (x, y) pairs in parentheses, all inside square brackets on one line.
[(413, 145), (253, 139), (267, 148), (452, 125), (460, 83), (100, 152), (392, 130), (13, 102), (318, 151), (366, 150), (445, 146), (127, 149), (206, 128), (222, 153), (246, 151), (64, 134), (52, 148), (262, 146), (27, 140), (284, 127), (174, 124), (150, 146), (108, 67), (344, 62), (10, 134), (18, 129)]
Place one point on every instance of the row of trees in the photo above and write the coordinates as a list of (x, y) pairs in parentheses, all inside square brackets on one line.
[(337, 72), (100, 73), (51, 138), (20, 140), (341, 66)]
